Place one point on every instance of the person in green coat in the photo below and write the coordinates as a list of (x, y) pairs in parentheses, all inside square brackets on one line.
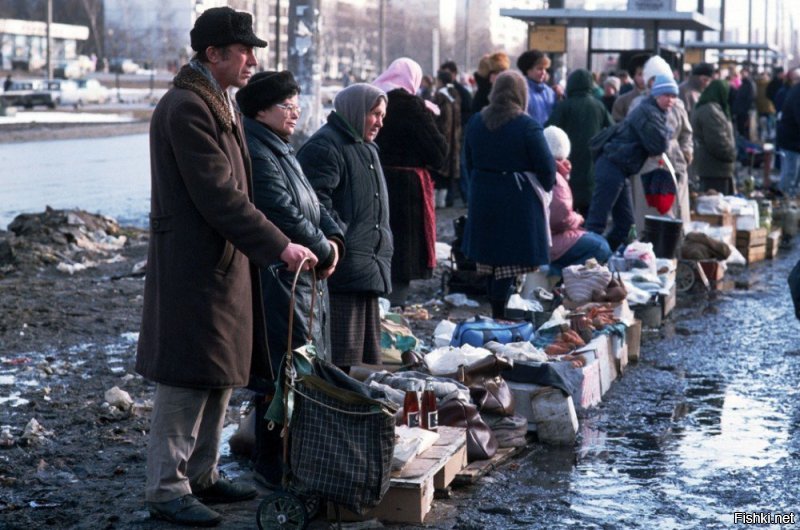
[(582, 116)]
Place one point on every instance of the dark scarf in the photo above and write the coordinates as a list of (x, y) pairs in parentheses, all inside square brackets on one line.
[(508, 99), (191, 79), (716, 92)]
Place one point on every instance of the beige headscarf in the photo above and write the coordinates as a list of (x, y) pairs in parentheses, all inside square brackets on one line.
[(507, 100)]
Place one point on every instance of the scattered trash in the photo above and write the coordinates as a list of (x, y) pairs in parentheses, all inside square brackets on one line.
[(443, 251), (460, 299), (142, 408), (118, 398), (443, 333), (416, 312), (6, 438), (34, 432)]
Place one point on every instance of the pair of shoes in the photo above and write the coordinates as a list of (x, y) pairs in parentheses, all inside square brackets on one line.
[(186, 510), (223, 490)]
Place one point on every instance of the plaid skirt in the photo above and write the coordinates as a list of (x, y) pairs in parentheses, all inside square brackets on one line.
[(504, 271), (355, 325)]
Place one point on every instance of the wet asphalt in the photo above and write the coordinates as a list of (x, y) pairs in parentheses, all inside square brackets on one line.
[(705, 426)]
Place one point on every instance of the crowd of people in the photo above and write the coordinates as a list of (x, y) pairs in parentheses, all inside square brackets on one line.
[(235, 212)]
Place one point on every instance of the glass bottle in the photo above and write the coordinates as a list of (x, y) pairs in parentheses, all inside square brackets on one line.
[(411, 407), (430, 412)]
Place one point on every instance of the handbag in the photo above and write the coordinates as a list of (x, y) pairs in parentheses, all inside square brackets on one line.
[(481, 443), (615, 291), (487, 388), (480, 330)]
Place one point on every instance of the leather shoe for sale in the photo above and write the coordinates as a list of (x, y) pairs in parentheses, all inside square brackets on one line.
[(186, 510), (223, 490)]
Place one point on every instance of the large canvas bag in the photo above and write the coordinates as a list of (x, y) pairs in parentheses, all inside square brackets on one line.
[(480, 330)]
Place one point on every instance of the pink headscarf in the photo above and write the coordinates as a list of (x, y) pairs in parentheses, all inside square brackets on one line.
[(404, 73)]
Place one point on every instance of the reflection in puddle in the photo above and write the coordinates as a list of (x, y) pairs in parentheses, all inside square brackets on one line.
[(750, 433)]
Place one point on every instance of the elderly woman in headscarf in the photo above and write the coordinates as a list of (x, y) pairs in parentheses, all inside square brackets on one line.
[(270, 106), (714, 143), (341, 162), (510, 169), (410, 144)]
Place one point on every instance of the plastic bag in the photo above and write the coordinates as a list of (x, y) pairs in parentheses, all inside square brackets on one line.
[(643, 252)]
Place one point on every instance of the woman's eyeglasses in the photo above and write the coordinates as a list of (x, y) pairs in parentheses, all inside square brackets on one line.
[(288, 107)]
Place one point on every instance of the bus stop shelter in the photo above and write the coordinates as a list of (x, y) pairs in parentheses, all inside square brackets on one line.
[(651, 22)]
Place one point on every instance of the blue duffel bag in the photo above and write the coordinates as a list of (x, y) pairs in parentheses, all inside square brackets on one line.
[(480, 330)]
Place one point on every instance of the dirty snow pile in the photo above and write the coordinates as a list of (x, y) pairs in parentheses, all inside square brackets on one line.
[(73, 240)]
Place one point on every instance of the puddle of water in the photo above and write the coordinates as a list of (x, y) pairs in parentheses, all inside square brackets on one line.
[(749, 433)]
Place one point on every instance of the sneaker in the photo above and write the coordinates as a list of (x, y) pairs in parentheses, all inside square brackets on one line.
[(186, 510), (223, 490)]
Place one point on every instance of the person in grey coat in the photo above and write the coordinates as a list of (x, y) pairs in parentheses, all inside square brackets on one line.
[(269, 103), (341, 162)]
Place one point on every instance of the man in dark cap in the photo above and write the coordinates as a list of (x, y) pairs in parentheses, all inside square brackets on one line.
[(202, 331), (689, 91)]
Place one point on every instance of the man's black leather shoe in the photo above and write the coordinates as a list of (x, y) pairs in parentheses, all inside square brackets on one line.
[(186, 510), (223, 490)]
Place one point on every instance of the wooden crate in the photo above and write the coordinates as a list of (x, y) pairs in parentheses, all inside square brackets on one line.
[(751, 238), (723, 219), (773, 242), (479, 468), (754, 254), (411, 489)]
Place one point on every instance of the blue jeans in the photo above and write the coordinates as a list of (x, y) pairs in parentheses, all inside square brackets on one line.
[(789, 172), (590, 245), (612, 194)]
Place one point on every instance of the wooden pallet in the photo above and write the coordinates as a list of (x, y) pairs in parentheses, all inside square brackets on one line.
[(474, 471), (411, 489)]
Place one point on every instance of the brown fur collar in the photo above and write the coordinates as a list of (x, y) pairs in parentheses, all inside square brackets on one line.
[(190, 79)]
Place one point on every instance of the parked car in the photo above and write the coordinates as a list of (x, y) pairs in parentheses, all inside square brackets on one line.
[(28, 93), (85, 91), (62, 91), (122, 65)]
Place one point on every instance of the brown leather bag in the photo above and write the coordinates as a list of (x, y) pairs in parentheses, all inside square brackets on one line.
[(614, 292), (481, 443), (493, 396)]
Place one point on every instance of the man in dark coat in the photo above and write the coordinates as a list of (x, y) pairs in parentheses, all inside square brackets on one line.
[(202, 297), (788, 137), (581, 116), (744, 101)]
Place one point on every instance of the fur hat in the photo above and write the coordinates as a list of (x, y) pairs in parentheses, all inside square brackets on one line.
[(654, 66), (264, 90), (220, 26), (664, 84), (558, 142), (499, 62), (613, 81), (703, 69)]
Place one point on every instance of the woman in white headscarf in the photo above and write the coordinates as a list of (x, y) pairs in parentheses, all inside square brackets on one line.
[(341, 162), (410, 144)]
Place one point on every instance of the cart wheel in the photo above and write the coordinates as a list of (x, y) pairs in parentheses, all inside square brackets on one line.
[(684, 276), (312, 504), (282, 510)]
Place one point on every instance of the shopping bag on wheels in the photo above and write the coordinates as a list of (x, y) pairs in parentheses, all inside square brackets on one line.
[(342, 441)]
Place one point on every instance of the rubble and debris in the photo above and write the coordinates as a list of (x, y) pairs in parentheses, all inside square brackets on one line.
[(116, 397), (34, 432)]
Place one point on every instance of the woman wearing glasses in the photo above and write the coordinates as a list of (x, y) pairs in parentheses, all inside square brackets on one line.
[(270, 106)]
